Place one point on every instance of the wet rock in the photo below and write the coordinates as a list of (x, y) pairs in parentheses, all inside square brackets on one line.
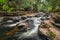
[(27, 33)]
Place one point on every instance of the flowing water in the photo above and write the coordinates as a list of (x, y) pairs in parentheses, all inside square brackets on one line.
[(31, 34)]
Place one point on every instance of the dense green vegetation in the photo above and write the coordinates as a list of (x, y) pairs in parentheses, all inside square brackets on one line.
[(34, 5)]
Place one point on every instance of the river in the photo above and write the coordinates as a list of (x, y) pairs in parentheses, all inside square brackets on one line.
[(31, 34)]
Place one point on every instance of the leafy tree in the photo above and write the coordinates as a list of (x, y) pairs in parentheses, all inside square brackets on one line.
[(37, 5), (5, 6), (2, 1)]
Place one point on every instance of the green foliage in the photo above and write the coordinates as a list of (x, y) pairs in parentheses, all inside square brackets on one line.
[(5, 7), (10, 10), (2, 1), (24, 4), (4, 4), (37, 5)]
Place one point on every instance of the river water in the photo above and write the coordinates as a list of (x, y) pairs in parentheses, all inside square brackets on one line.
[(31, 34)]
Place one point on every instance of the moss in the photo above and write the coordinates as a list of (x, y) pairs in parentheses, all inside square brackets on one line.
[(51, 35)]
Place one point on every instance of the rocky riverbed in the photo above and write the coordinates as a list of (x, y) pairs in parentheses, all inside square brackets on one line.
[(25, 28)]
